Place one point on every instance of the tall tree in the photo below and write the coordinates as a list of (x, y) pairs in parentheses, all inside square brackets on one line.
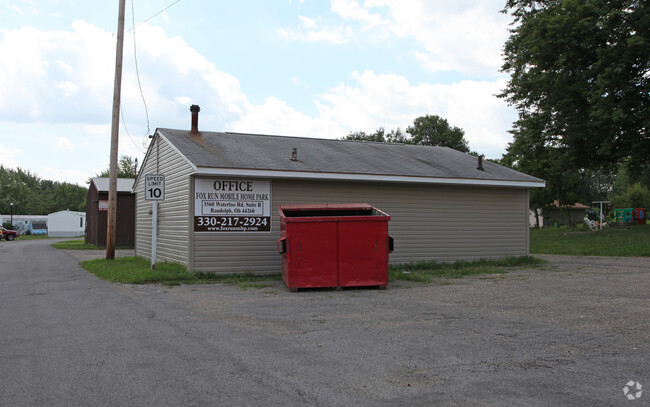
[(428, 130), (432, 130), (127, 167), (34, 196), (580, 79), (379, 136)]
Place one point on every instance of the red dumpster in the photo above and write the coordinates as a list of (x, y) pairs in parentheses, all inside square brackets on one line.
[(334, 245)]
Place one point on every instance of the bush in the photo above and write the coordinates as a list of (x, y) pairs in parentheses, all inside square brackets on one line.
[(635, 196)]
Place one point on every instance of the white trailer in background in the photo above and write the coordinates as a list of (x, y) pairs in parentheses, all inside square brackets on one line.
[(66, 224)]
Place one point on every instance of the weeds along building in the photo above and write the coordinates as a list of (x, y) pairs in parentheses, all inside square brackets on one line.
[(222, 191)]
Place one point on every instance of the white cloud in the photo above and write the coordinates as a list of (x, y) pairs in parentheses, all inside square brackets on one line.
[(63, 143), (75, 63), (463, 35), (351, 10), (70, 175), (307, 22), (308, 32), (61, 82), (276, 117), (9, 156), (390, 101)]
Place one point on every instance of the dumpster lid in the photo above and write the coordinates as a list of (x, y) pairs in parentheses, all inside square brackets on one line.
[(331, 210)]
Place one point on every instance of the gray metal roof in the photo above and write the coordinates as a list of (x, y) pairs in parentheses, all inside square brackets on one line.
[(250, 152), (123, 184)]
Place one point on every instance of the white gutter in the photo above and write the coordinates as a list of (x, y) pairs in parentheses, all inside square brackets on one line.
[(364, 177)]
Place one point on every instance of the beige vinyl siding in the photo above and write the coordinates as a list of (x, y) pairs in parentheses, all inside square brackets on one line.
[(428, 222), (173, 238)]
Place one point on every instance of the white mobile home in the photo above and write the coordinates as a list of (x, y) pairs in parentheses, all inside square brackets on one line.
[(66, 224)]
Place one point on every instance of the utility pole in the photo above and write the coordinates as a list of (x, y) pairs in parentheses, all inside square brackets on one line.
[(115, 132)]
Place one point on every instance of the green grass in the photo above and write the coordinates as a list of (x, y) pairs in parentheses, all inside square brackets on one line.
[(611, 241), (77, 244), (80, 244), (137, 270), (425, 272)]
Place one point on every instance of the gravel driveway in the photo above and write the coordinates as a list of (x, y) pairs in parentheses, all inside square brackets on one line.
[(572, 332)]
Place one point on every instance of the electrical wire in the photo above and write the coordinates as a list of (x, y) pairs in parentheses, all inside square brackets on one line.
[(127, 131), (145, 137), (155, 15), (137, 71)]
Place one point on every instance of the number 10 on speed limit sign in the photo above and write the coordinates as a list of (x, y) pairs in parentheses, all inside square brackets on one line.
[(154, 187)]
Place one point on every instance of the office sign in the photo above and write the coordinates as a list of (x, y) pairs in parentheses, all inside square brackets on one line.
[(232, 205)]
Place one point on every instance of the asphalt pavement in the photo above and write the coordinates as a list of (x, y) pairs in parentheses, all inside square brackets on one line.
[(574, 332)]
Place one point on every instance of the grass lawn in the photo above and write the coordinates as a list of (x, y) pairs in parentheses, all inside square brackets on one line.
[(137, 270), (80, 244), (424, 272), (611, 241), (77, 244)]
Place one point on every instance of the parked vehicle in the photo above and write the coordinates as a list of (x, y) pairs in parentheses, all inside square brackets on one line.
[(8, 234)]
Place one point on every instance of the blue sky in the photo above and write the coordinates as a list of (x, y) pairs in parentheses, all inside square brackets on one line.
[(297, 68)]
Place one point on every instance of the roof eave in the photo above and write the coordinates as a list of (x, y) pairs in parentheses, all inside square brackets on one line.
[(238, 172)]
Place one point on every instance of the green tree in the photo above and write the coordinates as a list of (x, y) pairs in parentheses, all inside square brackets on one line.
[(428, 130), (379, 136), (580, 79), (634, 196), (432, 130), (33, 196), (127, 167)]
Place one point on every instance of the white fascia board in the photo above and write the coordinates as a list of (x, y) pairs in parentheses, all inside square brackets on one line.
[(363, 177)]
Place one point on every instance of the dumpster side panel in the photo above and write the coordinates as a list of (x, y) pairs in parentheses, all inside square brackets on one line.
[(311, 255), (363, 254)]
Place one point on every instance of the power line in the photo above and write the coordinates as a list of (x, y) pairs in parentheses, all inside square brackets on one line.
[(127, 131), (155, 15), (137, 70)]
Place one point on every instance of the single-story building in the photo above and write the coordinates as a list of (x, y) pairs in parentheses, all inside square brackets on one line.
[(66, 224), (27, 224), (222, 191), (97, 212), (570, 215)]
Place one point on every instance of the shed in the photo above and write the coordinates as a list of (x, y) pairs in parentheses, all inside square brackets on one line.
[(222, 191), (565, 215), (66, 224), (97, 212)]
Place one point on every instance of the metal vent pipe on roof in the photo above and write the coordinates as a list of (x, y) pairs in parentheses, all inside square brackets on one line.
[(480, 163), (294, 154), (195, 109)]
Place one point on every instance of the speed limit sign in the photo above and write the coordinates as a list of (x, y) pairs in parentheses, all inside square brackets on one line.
[(154, 187)]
